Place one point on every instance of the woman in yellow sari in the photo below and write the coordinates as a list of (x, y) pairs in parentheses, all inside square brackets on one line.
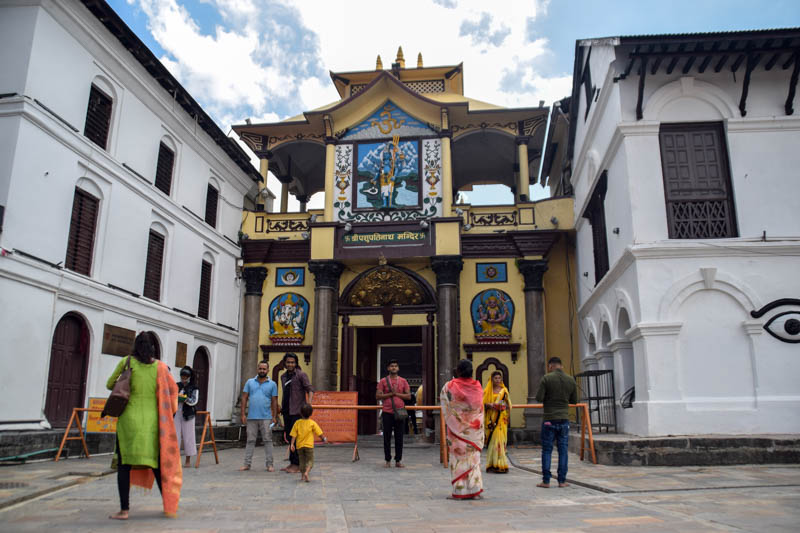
[(497, 403)]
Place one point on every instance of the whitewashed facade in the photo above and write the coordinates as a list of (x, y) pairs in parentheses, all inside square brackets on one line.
[(51, 54), (673, 314)]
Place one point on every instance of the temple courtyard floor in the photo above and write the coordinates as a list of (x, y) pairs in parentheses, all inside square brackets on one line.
[(79, 494)]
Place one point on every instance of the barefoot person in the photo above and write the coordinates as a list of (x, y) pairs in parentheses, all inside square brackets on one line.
[(296, 391), (497, 407), (556, 391), (302, 434), (147, 446), (259, 409), (394, 392), (462, 411)]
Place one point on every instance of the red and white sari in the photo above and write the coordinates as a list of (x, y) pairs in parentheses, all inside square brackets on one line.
[(462, 411)]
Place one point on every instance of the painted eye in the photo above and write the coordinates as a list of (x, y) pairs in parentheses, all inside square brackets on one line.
[(785, 326)]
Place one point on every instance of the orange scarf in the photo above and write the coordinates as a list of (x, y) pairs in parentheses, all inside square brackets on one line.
[(169, 449)]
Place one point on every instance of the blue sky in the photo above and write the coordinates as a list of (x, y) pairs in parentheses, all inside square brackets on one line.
[(269, 59)]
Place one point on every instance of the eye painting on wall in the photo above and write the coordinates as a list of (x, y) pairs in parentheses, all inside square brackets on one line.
[(288, 314), (492, 314), (387, 174), (783, 326)]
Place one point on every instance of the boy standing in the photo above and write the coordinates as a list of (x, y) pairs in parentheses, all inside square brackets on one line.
[(302, 434)]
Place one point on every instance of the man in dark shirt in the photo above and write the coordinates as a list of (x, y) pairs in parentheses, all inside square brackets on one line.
[(556, 391), (296, 391)]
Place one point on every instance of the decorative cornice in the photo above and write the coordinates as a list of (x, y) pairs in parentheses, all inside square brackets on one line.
[(326, 273), (447, 268), (509, 244), (273, 251), (654, 329), (254, 280), (533, 271)]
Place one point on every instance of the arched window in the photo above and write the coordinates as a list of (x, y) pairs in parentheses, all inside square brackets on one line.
[(154, 264), (165, 165), (99, 112)]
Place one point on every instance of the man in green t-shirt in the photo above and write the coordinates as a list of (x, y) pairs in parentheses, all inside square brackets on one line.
[(556, 391)]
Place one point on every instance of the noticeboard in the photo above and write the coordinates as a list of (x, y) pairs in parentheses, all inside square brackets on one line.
[(117, 340), (338, 425), (95, 424)]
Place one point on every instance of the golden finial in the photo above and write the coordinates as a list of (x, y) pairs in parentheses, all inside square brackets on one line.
[(379, 63), (419, 60), (400, 60), (381, 259)]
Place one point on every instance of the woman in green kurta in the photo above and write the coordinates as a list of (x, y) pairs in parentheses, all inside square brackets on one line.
[(137, 427)]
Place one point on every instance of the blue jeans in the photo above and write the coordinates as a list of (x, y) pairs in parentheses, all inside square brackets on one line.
[(557, 430)]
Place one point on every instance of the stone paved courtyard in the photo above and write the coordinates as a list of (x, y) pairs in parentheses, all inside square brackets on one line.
[(363, 496)]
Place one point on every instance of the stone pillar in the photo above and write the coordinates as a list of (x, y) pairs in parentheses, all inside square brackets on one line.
[(533, 271), (326, 298), (285, 193), (447, 269), (303, 199), (524, 178), (264, 171), (254, 282), (330, 159), (447, 177)]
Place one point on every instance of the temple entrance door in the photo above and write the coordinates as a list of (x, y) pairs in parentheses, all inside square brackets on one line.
[(69, 364), (374, 347)]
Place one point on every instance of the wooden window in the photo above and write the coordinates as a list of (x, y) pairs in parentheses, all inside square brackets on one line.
[(212, 198), (205, 290), (81, 232), (98, 117), (154, 266), (166, 162), (697, 182), (596, 214)]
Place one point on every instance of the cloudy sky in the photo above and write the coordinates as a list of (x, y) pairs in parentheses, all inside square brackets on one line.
[(270, 59)]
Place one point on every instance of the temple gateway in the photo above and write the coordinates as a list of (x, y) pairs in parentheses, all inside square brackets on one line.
[(393, 267)]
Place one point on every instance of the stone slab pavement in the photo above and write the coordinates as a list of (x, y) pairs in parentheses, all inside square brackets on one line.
[(365, 497)]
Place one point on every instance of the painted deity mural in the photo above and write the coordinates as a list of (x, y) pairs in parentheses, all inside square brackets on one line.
[(392, 178), (288, 314), (492, 314)]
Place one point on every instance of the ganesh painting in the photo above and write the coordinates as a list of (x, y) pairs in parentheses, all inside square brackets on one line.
[(492, 314), (288, 314)]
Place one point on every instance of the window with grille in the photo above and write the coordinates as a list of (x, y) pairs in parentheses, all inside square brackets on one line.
[(83, 223), (595, 212), (697, 182), (154, 266), (166, 161), (98, 117), (205, 291), (212, 199), (426, 86)]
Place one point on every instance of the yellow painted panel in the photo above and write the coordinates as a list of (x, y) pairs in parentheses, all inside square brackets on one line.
[(448, 239), (322, 240)]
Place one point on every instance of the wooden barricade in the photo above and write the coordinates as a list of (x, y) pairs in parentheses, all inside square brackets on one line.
[(75, 417), (207, 427)]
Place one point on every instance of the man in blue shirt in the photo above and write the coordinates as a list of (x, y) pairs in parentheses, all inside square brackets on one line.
[(259, 408)]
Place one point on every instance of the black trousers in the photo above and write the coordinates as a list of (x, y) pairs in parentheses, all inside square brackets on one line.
[(288, 423), (412, 418), (124, 482), (391, 425)]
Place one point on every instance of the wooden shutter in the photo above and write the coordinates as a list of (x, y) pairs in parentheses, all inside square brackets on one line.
[(697, 183), (212, 198), (596, 214), (166, 161), (205, 290), (154, 266), (98, 117), (81, 232)]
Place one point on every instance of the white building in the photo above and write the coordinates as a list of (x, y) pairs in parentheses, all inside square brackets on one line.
[(120, 208), (683, 153)]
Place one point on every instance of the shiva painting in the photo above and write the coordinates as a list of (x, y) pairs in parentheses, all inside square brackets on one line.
[(387, 174), (492, 314), (288, 314)]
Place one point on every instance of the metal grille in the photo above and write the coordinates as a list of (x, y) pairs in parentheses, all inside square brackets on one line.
[(426, 86), (596, 388)]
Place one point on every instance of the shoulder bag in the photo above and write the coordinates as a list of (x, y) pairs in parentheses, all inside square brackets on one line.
[(401, 415), (118, 399)]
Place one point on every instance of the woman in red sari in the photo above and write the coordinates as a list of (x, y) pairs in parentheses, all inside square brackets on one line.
[(462, 411)]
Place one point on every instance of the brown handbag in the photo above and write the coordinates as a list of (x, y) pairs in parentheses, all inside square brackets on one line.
[(118, 399)]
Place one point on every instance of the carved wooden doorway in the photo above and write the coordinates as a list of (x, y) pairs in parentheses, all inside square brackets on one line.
[(69, 364)]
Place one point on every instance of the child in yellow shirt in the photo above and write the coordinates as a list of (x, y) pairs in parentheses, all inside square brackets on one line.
[(302, 435)]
